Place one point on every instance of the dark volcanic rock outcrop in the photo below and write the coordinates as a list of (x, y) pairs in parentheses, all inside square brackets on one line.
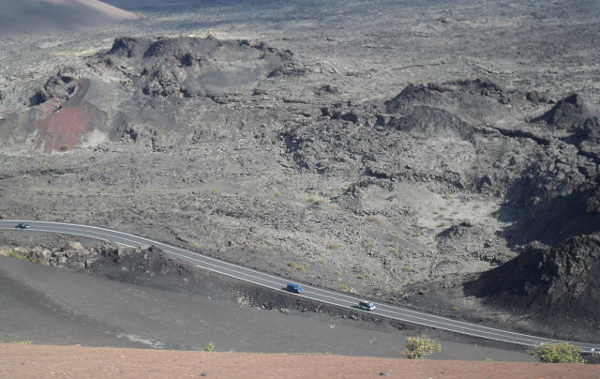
[(566, 113), (445, 134), (435, 131), (60, 87), (479, 99), (431, 122), (556, 203), (559, 282), (174, 85), (191, 67), (423, 94), (154, 92)]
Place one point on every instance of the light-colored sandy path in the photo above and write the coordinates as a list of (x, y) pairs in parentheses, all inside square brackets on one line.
[(25, 361)]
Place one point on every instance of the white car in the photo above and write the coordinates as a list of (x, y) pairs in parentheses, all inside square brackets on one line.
[(366, 305)]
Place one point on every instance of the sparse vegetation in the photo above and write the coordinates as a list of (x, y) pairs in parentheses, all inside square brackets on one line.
[(210, 347), (315, 202), (419, 347), (17, 255), (557, 353), (375, 219), (296, 266), (396, 251), (346, 288)]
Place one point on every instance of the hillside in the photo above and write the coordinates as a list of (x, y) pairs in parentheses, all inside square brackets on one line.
[(26, 16)]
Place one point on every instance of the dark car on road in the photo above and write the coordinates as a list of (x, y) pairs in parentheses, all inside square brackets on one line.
[(294, 287), (22, 225)]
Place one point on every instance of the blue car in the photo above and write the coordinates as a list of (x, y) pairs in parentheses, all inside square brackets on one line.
[(294, 287)]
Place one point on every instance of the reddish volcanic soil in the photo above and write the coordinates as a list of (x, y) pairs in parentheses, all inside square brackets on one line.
[(63, 129), (25, 361)]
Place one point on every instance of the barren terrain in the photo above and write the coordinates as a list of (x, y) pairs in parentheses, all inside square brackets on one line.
[(81, 362), (158, 304), (395, 149)]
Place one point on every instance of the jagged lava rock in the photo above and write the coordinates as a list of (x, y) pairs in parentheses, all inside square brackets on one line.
[(562, 281)]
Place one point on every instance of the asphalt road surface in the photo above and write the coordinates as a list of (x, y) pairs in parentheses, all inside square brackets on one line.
[(277, 283)]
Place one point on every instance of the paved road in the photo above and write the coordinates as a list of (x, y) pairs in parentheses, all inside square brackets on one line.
[(276, 283)]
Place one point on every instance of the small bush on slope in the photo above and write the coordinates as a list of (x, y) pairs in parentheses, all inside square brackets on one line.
[(419, 347), (557, 353)]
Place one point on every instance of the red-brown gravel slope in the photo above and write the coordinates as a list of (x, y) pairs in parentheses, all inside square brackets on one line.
[(25, 361)]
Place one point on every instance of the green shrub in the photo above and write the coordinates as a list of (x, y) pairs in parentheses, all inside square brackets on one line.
[(557, 353), (210, 347), (14, 254), (419, 347)]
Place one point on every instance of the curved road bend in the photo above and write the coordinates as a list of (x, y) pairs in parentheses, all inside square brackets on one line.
[(278, 284)]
